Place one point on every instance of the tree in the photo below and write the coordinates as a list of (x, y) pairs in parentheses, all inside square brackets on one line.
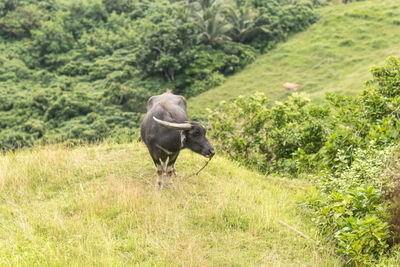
[(7, 6), (211, 25), (51, 40), (120, 6), (243, 20), (161, 47), (22, 20)]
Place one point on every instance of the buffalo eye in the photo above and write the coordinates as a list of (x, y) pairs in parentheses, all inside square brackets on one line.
[(196, 133)]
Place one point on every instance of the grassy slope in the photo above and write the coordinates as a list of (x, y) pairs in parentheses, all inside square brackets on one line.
[(335, 54), (99, 206)]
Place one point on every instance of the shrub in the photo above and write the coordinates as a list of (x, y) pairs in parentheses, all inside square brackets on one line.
[(265, 137), (11, 140), (352, 210), (200, 86), (392, 190)]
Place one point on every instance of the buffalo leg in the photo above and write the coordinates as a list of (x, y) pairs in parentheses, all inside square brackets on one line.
[(160, 172), (170, 172), (160, 169), (171, 167)]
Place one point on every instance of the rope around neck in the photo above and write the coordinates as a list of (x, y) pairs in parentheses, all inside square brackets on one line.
[(197, 173)]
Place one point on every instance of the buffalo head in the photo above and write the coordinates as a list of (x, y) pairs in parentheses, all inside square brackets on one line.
[(193, 136)]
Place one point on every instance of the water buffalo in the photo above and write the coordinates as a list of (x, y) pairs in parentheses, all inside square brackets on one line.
[(165, 130)]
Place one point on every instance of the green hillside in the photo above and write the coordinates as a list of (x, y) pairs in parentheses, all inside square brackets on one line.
[(334, 54), (99, 206)]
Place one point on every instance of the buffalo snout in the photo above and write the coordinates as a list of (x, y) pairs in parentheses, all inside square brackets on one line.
[(211, 152)]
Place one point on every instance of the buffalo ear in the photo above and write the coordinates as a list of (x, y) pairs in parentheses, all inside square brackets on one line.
[(173, 125)]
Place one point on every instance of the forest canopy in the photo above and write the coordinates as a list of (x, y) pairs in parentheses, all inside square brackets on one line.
[(84, 69)]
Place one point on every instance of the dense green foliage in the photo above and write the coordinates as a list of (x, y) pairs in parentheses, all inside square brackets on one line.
[(346, 142), (84, 69), (267, 137), (352, 209)]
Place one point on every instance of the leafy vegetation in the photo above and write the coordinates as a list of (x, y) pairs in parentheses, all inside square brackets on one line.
[(346, 144), (266, 137), (82, 70), (352, 208)]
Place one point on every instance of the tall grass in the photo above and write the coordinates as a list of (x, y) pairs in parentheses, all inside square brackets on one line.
[(98, 205), (335, 54)]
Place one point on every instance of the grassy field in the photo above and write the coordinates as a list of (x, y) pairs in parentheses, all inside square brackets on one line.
[(98, 205), (335, 54)]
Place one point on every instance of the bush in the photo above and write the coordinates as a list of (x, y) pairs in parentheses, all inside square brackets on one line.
[(352, 210), (200, 86), (12, 140), (265, 137), (392, 190)]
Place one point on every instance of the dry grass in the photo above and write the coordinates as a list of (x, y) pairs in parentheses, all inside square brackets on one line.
[(99, 205)]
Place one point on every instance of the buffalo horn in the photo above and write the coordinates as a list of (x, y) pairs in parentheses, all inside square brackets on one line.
[(174, 126)]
